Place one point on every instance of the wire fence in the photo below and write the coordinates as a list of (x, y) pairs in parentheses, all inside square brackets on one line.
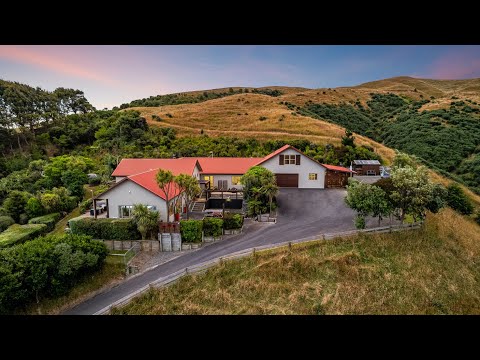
[(166, 280)]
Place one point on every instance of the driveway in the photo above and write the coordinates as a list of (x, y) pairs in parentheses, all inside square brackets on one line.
[(302, 213)]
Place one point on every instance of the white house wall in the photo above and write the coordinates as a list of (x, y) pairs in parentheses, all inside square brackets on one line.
[(306, 167), (196, 173), (119, 178), (223, 177), (129, 193)]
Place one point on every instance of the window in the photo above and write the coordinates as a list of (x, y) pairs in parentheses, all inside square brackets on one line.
[(312, 176), (209, 178), (125, 211), (289, 160), (236, 180)]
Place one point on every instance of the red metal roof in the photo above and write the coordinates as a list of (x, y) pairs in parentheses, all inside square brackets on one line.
[(226, 165), (176, 166), (338, 168), (275, 153), (148, 181)]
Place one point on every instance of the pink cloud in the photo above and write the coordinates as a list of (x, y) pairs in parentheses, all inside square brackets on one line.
[(456, 65), (48, 58)]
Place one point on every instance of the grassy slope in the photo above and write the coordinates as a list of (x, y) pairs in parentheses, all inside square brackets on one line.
[(430, 271)]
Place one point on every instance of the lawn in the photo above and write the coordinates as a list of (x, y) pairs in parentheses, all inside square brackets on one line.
[(434, 270)]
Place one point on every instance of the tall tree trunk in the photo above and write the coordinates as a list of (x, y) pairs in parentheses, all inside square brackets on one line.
[(19, 144)]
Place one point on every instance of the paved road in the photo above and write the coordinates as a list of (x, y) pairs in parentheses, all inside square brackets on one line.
[(302, 213)]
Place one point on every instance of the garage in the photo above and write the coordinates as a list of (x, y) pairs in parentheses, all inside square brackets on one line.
[(287, 180)]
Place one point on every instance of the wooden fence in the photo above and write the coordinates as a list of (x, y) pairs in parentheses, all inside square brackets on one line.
[(166, 280)]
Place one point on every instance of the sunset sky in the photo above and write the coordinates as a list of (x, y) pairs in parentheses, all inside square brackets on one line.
[(112, 75)]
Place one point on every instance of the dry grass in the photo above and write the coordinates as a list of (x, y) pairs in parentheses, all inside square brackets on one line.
[(429, 271), (239, 116)]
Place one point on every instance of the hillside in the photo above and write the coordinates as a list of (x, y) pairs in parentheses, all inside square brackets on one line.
[(433, 270), (436, 120)]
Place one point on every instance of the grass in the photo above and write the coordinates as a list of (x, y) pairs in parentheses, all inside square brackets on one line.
[(434, 270), (109, 275)]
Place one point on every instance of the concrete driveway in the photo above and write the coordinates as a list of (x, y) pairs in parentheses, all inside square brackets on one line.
[(302, 213)]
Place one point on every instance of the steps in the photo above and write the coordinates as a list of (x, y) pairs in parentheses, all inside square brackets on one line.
[(198, 206)]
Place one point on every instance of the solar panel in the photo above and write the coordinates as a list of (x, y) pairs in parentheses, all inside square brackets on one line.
[(366, 162)]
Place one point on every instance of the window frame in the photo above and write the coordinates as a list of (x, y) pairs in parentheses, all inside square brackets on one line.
[(121, 211), (310, 176), (289, 159)]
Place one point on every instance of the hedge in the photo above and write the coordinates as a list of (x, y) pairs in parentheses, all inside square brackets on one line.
[(17, 234), (50, 220), (46, 267), (5, 222), (191, 230), (106, 229), (232, 221), (212, 226)]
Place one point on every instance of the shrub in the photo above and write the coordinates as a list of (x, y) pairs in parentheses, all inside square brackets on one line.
[(169, 115), (34, 208), (85, 205), (458, 201), (477, 218), (232, 221), (46, 266), (359, 222), (262, 118), (191, 230), (156, 118), (94, 181), (106, 229), (5, 222), (212, 227), (50, 220), (23, 219), (16, 234)]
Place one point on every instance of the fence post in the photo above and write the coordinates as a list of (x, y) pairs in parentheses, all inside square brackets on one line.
[(290, 246), (253, 252)]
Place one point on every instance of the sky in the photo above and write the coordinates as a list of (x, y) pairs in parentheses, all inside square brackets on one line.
[(111, 75)]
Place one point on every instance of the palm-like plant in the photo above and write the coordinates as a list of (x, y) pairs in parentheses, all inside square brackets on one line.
[(270, 190), (145, 219)]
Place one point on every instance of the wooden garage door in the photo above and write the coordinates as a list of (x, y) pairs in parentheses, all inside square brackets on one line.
[(287, 180)]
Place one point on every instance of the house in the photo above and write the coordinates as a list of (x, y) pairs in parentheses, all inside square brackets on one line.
[(366, 167), (135, 178)]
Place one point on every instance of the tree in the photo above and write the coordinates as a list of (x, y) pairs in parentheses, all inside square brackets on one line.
[(15, 204), (34, 208), (166, 184), (457, 200), (413, 191), (254, 181), (402, 160), (270, 190), (188, 187), (438, 198), (367, 200), (51, 202), (348, 139), (74, 180), (145, 219)]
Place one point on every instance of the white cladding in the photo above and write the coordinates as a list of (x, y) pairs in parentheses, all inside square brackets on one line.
[(129, 193), (306, 167)]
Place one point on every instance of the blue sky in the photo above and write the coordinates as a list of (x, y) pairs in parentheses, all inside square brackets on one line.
[(111, 75)]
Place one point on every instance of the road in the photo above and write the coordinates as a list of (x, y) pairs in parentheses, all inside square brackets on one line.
[(302, 213)]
